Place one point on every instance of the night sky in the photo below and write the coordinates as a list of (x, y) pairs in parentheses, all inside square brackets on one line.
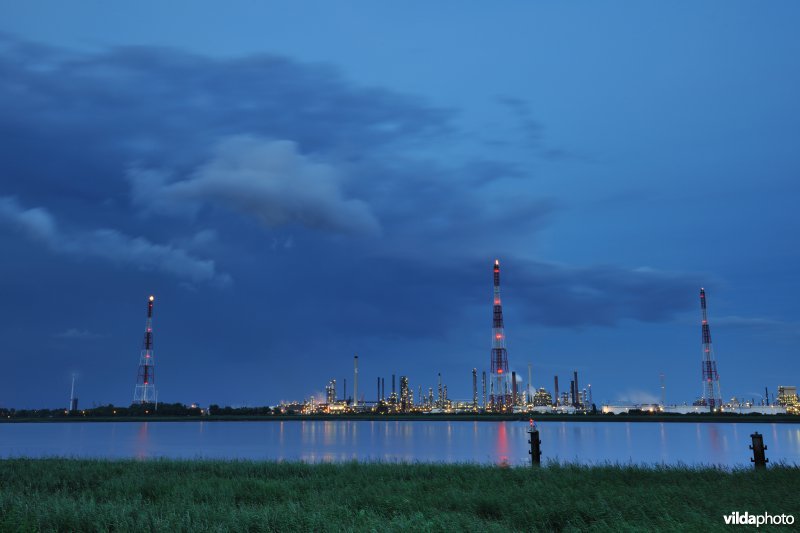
[(297, 182)]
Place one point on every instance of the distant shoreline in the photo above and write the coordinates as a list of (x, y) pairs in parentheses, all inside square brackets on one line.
[(583, 418)]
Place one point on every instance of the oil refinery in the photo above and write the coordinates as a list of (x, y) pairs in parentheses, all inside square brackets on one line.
[(505, 395)]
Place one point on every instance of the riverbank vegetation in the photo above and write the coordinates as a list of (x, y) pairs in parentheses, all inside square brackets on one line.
[(167, 495)]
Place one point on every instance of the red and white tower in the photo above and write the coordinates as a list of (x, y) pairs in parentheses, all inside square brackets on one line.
[(145, 391), (711, 394), (500, 399)]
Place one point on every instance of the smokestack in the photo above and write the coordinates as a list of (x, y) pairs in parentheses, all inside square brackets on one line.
[(355, 380), (575, 377), (556, 397), (513, 388), (394, 391), (383, 388), (378, 397), (344, 392), (530, 393), (441, 398), (483, 382), (766, 395), (475, 388), (73, 400)]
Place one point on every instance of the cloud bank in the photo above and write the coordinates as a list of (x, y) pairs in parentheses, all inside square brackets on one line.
[(108, 244), (269, 180)]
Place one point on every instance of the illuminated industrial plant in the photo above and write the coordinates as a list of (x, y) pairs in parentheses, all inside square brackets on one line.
[(505, 395)]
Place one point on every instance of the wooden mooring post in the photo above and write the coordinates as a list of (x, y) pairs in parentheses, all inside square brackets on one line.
[(533, 440), (759, 458)]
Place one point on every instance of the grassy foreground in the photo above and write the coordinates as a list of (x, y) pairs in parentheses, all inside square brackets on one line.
[(165, 495)]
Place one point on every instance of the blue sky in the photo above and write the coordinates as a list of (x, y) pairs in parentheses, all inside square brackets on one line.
[(300, 181)]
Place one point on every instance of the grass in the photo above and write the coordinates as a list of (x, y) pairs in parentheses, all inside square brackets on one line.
[(169, 495)]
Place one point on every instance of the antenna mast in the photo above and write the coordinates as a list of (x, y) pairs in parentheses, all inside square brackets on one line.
[(145, 391), (499, 400), (711, 394)]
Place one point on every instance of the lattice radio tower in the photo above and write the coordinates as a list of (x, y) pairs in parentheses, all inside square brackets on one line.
[(145, 391), (711, 394), (500, 399)]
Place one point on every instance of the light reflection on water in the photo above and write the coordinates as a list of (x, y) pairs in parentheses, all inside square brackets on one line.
[(405, 441)]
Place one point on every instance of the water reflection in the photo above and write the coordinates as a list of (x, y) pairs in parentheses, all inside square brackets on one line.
[(142, 441), (713, 435), (482, 442), (501, 445)]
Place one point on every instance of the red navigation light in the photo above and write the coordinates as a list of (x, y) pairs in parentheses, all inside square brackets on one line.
[(499, 370)]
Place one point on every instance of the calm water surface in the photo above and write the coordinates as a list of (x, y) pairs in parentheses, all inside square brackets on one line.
[(448, 442)]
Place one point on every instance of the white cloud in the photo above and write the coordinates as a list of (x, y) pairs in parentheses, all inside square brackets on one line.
[(36, 222), (109, 245), (269, 180)]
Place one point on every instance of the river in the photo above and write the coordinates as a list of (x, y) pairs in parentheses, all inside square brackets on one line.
[(406, 441)]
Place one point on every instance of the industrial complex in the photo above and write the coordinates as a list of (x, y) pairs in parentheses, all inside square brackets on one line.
[(505, 396), (499, 392)]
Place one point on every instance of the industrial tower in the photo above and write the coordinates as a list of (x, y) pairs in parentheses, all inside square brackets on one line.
[(500, 399), (73, 400), (711, 394), (145, 391)]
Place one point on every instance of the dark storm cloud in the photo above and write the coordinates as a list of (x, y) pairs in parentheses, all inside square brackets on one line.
[(166, 132), (559, 295), (163, 112), (311, 192), (107, 244), (761, 325), (161, 105), (438, 294)]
